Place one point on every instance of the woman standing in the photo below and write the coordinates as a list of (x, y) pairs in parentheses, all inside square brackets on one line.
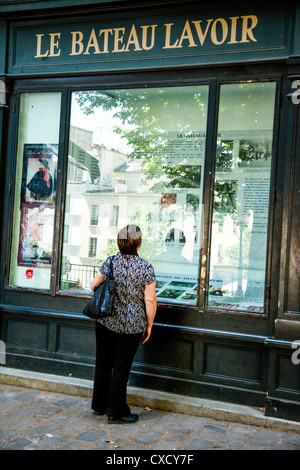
[(118, 336)]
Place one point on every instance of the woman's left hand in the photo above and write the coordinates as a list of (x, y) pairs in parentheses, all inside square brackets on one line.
[(146, 334)]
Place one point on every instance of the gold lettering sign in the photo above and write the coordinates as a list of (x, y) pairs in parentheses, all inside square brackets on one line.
[(53, 46), (194, 34)]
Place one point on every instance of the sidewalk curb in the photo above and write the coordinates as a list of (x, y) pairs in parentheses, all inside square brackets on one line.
[(151, 398)]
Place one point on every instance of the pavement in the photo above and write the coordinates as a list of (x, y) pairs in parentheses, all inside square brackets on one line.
[(44, 412)]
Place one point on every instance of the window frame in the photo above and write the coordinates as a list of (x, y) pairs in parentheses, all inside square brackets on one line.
[(92, 247), (278, 80), (94, 215), (214, 79)]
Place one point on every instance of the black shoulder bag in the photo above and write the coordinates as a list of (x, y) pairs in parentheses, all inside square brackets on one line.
[(101, 304)]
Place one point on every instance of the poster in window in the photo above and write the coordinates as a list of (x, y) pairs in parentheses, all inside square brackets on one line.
[(173, 289), (39, 173), (35, 246)]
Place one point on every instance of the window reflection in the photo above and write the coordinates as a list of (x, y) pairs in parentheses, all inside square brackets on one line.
[(137, 156), (241, 197), (35, 190)]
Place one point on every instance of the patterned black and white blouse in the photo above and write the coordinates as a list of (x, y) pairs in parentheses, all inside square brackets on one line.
[(131, 273)]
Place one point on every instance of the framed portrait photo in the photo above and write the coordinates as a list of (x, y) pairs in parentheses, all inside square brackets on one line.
[(39, 173)]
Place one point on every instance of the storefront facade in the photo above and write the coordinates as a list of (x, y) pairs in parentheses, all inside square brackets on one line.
[(181, 117)]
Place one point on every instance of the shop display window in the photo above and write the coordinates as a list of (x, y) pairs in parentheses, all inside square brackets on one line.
[(241, 197), (137, 156), (35, 190)]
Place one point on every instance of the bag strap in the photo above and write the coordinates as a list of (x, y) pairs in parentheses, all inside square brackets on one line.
[(111, 269)]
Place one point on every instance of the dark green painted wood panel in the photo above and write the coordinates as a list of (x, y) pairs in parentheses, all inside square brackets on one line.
[(287, 375), (31, 335), (293, 272), (3, 46), (73, 339), (283, 399), (232, 362), (27, 5), (167, 355)]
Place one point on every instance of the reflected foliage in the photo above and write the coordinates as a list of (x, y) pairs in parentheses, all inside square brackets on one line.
[(145, 120)]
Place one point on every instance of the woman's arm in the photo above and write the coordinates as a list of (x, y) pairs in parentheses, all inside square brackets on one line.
[(151, 307), (98, 279)]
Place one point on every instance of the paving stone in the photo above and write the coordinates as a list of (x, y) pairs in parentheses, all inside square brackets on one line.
[(50, 442), (287, 446), (36, 432), (148, 437), (199, 444), (46, 412), (92, 435), (66, 402), (9, 405), (17, 444), (215, 428), (73, 445), (163, 423), (165, 445), (74, 428), (124, 431), (24, 424), (6, 395), (28, 396), (133, 446), (178, 434), (18, 413), (243, 429), (265, 437), (293, 439), (193, 422), (56, 421), (213, 432), (5, 437), (234, 441)]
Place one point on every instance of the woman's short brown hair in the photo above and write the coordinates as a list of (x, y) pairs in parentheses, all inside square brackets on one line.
[(129, 239)]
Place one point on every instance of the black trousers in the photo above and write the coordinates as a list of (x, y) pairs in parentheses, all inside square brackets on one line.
[(114, 356)]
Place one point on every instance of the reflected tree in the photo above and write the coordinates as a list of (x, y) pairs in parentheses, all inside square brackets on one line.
[(145, 119)]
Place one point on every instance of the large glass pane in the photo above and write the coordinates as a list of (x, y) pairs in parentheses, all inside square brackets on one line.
[(35, 190), (241, 197), (136, 156)]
